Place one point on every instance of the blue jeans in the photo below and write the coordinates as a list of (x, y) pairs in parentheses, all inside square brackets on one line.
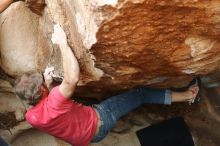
[(117, 106), (3, 143)]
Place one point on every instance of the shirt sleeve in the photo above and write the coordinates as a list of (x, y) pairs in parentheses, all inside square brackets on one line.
[(56, 101)]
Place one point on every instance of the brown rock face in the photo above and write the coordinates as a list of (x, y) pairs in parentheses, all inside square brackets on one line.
[(121, 44), (145, 42), (118, 43), (18, 34)]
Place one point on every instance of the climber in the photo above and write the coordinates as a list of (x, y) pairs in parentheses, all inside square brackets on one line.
[(55, 113), (36, 6)]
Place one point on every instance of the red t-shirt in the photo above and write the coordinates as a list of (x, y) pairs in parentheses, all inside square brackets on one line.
[(63, 118)]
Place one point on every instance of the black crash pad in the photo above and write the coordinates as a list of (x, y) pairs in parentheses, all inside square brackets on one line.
[(173, 132)]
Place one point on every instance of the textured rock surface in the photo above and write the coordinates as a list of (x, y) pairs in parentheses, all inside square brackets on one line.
[(33, 137), (119, 44), (143, 42), (18, 37), (9, 102)]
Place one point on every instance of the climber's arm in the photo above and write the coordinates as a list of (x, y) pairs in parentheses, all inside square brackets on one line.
[(70, 63), (4, 4)]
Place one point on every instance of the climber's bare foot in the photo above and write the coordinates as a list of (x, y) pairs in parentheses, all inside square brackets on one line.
[(186, 96)]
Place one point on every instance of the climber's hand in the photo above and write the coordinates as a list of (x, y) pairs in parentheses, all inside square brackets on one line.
[(48, 76), (59, 36)]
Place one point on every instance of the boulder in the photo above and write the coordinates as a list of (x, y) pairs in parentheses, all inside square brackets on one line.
[(11, 112), (119, 44), (18, 35), (122, 44), (34, 137), (20, 40), (9, 102)]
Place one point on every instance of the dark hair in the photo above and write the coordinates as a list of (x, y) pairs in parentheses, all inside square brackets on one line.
[(36, 6), (27, 87)]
